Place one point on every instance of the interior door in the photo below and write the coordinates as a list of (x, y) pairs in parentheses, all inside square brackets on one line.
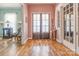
[(45, 26), (69, 26), (40, 26), (69, 23)]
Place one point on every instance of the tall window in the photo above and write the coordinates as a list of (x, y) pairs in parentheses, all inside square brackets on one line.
[(10, 18)]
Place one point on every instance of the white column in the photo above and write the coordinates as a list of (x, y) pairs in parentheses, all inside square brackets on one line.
[(25, 24)]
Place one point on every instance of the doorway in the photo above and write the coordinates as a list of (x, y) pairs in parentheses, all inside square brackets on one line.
[(69, 26), (40, 26)]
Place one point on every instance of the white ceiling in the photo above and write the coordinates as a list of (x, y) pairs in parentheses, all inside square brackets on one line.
[(10, 5)]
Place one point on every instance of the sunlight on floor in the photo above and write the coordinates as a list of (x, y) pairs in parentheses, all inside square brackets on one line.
[(40, 50)]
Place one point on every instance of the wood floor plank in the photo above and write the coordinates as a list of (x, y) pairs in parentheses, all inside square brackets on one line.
[(36, 47)]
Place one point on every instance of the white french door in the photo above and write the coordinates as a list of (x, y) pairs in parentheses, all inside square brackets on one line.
[(40, 26), (69, 26)]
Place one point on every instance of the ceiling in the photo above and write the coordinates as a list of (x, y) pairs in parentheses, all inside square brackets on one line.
[(10, 5), (19, 4)]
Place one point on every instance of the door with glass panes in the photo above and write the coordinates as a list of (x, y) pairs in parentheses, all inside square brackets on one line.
[(40, 26), (69, 26)]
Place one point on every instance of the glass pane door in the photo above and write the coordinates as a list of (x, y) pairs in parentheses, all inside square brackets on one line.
[(36, 26), (40, 26), (45, 26), (68, 23)]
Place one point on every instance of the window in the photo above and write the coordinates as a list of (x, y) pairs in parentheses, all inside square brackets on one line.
[(10, 18)]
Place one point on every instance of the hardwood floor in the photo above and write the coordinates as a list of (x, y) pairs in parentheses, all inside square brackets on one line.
[(33, 47)]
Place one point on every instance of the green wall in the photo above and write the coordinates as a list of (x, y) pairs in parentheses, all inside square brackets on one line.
[(5, 10)]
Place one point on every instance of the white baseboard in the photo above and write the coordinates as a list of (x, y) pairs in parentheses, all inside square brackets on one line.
[(24, 41), (59, 41), (69, 45)]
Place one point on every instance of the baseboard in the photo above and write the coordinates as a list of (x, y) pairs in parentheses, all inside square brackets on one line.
[(24, 41), (59, 41)]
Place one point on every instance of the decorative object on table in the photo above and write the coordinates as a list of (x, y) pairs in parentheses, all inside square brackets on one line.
[(7, 32)]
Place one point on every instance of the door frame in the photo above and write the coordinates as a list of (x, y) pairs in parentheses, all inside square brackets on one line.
[(77, 29), (50, 33), (66, 43)]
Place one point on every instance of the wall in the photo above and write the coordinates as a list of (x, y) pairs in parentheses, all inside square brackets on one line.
[(25, 24), (59, 30), (5, 10), (50, 8)]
